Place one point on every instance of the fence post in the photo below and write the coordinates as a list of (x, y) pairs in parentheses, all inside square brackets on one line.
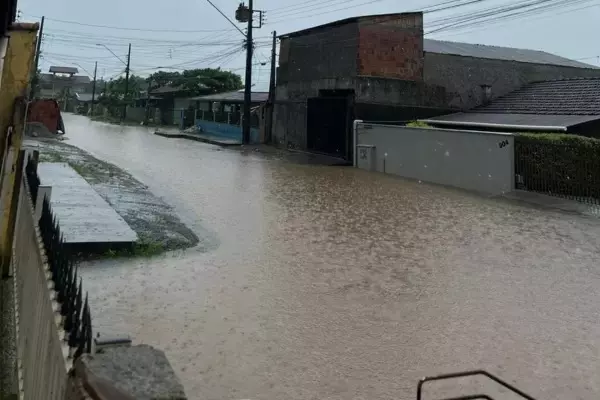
[(513, 175), (228, 118)]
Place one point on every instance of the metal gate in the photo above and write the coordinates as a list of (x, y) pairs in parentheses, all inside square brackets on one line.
[(329, 126)]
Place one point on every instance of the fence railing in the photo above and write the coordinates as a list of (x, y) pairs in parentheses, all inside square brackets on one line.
[(570, 171), (53, 322)]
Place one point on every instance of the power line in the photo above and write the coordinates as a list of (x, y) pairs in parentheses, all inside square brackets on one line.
[(226, 17), (130, 29), (445, 5), (519, 9)]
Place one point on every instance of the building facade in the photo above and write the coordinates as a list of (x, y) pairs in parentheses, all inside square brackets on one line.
[(380, 68)]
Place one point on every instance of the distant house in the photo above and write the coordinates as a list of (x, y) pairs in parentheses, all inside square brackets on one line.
[(381, 68), (173, 99), (564, 105), (59, 79), (220, 115)]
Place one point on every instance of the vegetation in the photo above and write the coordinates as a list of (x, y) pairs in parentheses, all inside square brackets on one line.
[(196, 82), (562, 164), (418, 124)]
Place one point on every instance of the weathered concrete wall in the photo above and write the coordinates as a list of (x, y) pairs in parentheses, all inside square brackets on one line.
[(479, 161), (371, 94), (462, 77), (325, 53), (391, 47)]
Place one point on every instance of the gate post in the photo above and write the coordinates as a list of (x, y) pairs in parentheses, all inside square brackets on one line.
[(355, 141)]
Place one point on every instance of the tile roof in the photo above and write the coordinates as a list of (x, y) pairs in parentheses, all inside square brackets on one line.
[(499, 53), (234, 97), (559, 97)]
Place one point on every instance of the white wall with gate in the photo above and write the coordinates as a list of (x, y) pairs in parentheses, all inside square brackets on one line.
[(473, 160)]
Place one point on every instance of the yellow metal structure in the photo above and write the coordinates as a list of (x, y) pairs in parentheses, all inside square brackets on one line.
[(16, 74)]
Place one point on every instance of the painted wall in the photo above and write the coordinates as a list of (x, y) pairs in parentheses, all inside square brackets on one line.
[(479, 161), (226, 131), (462, 77)]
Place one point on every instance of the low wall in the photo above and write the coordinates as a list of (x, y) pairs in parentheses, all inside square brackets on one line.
[(473, 160), (227, 131), (42, 353)]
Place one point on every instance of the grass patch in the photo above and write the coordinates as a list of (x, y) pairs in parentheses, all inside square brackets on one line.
[(144, 247)]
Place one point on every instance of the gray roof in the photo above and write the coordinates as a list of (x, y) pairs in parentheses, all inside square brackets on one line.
[(234, 97), (558, 97), (63, 70), (529, 122), (74, 79), (499, 53)]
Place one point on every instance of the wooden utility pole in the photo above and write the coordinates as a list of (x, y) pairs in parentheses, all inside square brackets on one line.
[(94, 88), (126, 83), (36, 63), (147, 119), (271, 102), (248, 78)]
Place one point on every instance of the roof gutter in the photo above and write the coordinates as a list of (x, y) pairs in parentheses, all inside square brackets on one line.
[(541, 128)]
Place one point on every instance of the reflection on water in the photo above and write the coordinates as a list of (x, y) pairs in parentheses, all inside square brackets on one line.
[(341, 284)]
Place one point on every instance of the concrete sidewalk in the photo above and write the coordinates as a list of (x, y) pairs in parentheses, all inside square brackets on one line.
[(200, 137), (558, 203)]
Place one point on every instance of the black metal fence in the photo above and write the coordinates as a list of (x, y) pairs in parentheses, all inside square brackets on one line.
[(75, 311), (568, 170)]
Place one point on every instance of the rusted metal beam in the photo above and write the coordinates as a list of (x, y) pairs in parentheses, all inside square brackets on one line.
[(16, 69)]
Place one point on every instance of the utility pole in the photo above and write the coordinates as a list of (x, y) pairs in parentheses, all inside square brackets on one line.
[(126, 83), (248, 79), (147, 119), (36, 63), (94, 88), (271, 102)]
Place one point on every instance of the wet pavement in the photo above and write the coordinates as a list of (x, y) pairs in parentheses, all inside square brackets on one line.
[(336, 283)]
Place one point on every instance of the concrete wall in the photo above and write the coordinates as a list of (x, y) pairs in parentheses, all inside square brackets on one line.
[(479, 161), (324, 53), (375, 99), (462, 77)]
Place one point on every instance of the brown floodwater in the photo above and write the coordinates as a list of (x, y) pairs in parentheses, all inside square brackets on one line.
[(335, 283)]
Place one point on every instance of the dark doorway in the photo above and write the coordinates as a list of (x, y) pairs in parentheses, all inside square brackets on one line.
[(329, 125)]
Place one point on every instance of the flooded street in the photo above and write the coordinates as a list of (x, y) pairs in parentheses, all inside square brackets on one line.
[(335, 283)]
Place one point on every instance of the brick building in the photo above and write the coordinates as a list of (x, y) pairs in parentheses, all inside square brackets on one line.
[(380, 68)]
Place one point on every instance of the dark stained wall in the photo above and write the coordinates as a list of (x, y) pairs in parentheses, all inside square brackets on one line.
[(463, 76), (325, 53)]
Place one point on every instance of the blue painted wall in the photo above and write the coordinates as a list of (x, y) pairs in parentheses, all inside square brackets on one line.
[(226, 131)]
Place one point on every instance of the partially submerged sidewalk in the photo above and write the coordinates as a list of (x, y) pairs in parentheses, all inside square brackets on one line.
[(155, 222)]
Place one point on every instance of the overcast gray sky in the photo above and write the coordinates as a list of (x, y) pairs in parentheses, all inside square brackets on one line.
[(192, 34)]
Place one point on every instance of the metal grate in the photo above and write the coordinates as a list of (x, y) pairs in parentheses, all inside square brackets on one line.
[(467, 374), (557, 169)]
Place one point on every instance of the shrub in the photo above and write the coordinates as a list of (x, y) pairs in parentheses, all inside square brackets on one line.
[(418, 124), (559, 164)]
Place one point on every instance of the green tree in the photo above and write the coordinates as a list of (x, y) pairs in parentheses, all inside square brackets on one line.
[(195, 82)]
